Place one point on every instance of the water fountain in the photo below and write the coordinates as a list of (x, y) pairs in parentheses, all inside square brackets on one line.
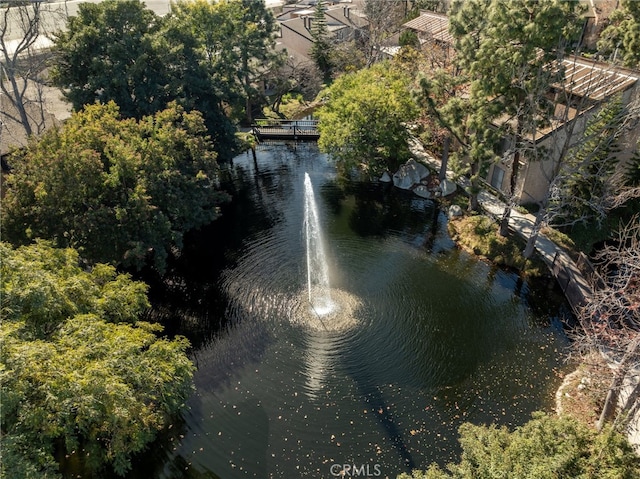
[(326, 308), (317, 269)]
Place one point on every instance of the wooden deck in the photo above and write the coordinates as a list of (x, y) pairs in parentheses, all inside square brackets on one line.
[(576, 278), (297, 130)]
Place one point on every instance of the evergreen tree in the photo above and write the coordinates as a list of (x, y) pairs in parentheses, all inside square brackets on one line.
[(322, 46), (621, 39), (547, 447), (508, 54), (592, 162)]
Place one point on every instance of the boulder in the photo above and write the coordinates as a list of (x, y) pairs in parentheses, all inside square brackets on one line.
[(447, 187), (423, 192), (410, 174), (386, 177), (455, 211)]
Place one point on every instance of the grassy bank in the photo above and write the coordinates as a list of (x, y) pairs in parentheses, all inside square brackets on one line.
[(479, 235)]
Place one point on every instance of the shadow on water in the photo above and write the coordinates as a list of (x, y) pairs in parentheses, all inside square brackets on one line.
[(187, 299)]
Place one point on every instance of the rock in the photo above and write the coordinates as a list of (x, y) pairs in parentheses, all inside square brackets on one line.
[(410, 174), (423, 192), (447, 187), (386, 177), (455, 211)]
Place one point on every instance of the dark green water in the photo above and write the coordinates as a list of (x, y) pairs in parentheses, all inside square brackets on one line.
[(439, 337)]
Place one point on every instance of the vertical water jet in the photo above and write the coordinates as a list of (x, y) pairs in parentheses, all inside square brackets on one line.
[(317, 270)]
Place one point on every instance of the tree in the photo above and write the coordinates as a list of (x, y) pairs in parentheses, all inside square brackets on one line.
[(546, 447), (321, 50), (409, 38), (105, 38), (157, 61), (444, 95), (582, 195), (384, 19), (511, 61), (293, 76), (610, 320), (80, 373), (621, 38), (362, 123), (237, 37), (588, 163), (432, 5), (22, 30), (346, 57), (119, 190)]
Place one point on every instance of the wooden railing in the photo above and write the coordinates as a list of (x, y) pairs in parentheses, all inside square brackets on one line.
[(276, 129)]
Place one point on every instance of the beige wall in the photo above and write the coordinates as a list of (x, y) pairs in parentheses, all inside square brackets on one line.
[(535, 176)]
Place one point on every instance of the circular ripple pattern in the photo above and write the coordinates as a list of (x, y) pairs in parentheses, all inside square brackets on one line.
[(338, 311), (414, 338)]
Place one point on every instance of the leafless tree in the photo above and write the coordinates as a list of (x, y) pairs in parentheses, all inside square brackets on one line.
[(293, 75), (24, 31), (385, 19), (610, 320)]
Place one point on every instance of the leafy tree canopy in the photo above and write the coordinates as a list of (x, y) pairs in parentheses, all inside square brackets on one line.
[(108, 53), (236, 38), (79, 373), (547, 447), (123, 52), (363, 121), (119, 190)]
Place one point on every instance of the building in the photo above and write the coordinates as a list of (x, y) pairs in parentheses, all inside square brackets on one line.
[(588, 86), (344, 21), (431, 27)]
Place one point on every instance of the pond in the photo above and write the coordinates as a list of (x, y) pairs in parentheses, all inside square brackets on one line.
[(434, 337)]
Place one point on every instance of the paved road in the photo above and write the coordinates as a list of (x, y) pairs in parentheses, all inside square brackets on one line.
[(55, 14)]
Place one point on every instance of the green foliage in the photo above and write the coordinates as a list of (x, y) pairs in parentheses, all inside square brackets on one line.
[(119, 190), (321, 50), (621, 38), (107, 53), (590, 165), (479, 235), (204, 56), (236, 38), (547, 447), (43, 286), (79, 372), (409, 38), (633, 168), (506, 49), (362, 123)]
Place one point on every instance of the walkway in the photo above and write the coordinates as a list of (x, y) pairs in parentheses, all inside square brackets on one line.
[(564, 269), (276, 129)]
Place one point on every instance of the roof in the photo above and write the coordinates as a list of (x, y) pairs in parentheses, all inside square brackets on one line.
[(436, 25), (347, 15), (594, 80)]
